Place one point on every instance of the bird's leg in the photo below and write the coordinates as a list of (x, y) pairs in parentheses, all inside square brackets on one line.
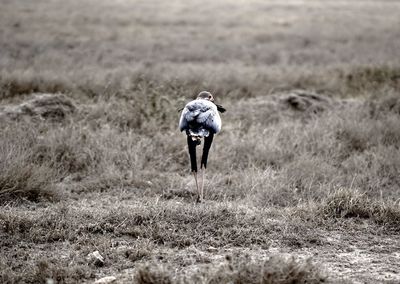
[(193, 162), (207, 145), (197, 185), (203, 173)]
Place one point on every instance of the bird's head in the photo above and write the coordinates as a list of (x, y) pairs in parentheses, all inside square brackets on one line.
[(204, 95)]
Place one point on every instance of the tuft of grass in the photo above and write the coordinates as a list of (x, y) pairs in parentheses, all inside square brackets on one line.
[(20, 177), (275, 269), (237, 269), (25, 181), (12, 85), (50, 270), (373, 77), (345, 203), (72, 151), (153, 274)]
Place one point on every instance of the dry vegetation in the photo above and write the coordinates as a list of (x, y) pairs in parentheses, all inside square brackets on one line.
[(303, 182)]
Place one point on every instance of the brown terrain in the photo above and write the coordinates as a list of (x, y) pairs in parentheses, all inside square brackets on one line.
[(303, 181)]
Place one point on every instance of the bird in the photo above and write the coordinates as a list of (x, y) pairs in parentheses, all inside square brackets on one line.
[(200, 119)]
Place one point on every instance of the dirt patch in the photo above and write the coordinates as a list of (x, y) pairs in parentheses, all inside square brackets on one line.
[(305, 101), (360, 258), (296, 104), (52, 107)]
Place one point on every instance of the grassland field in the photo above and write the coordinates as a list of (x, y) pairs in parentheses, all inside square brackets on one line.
[(303, 181)]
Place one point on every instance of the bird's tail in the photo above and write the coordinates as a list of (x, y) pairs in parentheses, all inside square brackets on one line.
[(197, 134), (196, 138)]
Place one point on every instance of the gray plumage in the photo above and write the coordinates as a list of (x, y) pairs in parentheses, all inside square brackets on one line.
[(199, 117)]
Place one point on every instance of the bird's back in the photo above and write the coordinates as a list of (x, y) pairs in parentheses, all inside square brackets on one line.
[(199, 117)]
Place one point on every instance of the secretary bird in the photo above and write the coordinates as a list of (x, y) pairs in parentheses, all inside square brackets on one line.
[(200, 119)]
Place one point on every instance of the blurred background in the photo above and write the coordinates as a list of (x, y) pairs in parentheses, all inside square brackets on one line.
[(223, 45)]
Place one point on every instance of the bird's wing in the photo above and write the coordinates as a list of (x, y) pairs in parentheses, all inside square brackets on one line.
[(189, 114), (202, 113), (209, 117), (213, 120), (183, 122)]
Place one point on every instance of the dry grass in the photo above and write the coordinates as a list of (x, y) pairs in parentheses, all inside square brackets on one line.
[(237, 269), (20, 175), (353, 204), (89, 145)]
